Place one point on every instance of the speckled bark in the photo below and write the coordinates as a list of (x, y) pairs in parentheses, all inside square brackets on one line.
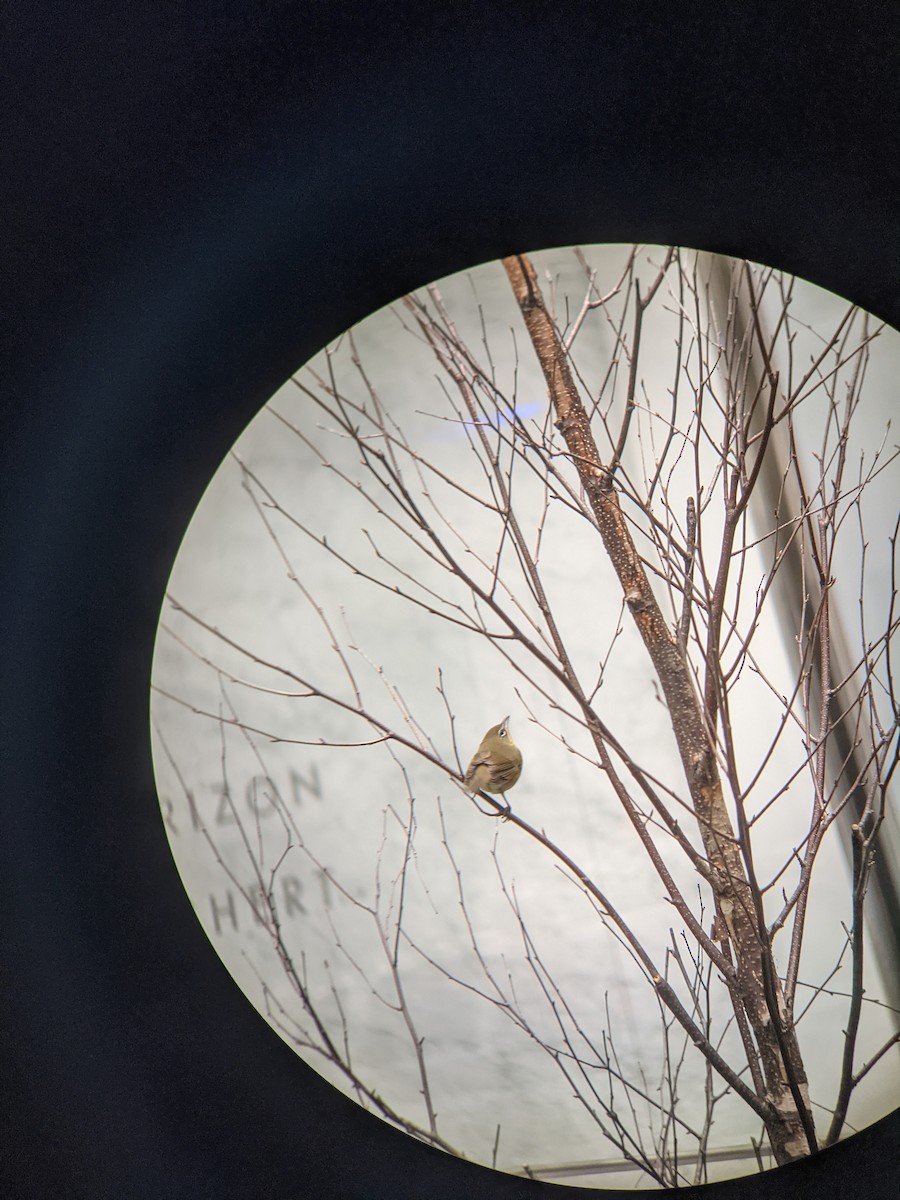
[(734, 901)]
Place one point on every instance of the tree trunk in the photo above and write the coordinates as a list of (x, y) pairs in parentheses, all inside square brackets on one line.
[(739, 922)]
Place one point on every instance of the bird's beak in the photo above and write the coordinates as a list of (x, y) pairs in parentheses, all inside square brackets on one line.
[(505, 721)]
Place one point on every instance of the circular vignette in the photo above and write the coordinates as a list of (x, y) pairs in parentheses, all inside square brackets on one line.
[(287, 842), (128, 1043)]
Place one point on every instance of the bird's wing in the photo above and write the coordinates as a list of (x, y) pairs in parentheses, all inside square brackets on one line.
[(480, 760)]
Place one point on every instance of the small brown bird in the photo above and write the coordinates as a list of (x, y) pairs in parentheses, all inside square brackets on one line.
[(496, 764)]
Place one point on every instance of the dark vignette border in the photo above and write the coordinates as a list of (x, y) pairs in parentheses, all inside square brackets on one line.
[(196, 199)]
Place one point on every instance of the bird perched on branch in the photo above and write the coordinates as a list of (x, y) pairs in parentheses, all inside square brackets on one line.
[(496, 764)]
